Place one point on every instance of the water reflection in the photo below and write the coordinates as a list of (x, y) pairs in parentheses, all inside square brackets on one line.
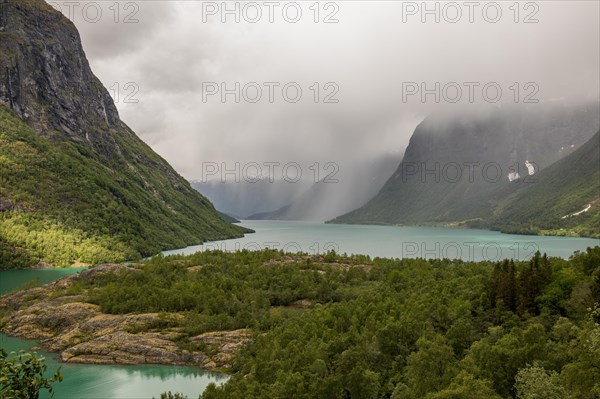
[(84, 381), (12, 279)]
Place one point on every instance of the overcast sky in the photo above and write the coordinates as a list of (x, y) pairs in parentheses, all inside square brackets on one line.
[(372, 54)]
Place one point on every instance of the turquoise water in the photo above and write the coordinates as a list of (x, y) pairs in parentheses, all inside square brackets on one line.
[(133, 382), (395, 242), (13, 279), (83, 381)]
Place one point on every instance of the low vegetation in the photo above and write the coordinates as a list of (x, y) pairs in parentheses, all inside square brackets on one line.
[(353, 327)]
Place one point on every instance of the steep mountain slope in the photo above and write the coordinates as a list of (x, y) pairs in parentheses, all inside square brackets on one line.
[(563, 198), (456, 167), (354, 186), (76, 184)]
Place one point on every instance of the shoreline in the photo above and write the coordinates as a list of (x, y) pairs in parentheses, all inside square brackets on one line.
[(48, 266), (62, 322), (462, 225), (40, 346), (455, 225)]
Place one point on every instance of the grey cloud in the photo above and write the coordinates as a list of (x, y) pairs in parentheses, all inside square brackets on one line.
[(370, 54), (111, 29)]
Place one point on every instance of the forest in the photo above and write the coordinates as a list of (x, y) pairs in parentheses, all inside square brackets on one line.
[(337, 326)]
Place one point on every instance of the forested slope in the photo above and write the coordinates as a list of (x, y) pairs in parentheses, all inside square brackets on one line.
[(76, 184)]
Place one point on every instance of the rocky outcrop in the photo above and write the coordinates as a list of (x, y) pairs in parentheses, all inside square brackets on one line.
[(8, 205), (64, 322), (224, 345)]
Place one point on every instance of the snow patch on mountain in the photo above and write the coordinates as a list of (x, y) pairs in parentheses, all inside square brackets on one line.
[(512, 176), (587, 208), (530, 168)]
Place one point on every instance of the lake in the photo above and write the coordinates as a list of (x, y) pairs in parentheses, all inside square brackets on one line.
[(394, 242), (86, 381), (133, 382)]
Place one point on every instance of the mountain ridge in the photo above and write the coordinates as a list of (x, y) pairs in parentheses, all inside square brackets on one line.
[(117, 199), (508, 139)]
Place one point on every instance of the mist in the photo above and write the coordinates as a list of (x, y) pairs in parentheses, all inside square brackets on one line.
[(376, 64)]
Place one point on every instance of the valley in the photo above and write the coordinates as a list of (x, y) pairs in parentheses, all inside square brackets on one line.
[(431, 249)]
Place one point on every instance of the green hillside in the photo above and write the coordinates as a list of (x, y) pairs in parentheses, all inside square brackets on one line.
[(60, 206), (564, 188), (76, 183)]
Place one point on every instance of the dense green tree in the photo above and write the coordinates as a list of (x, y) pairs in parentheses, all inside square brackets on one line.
[(588, 261), (431, 367), (347, 327), (531, 283), (500, 355), (22, 376), (537, 383), (582, 375), (503, 291), (465, 386)]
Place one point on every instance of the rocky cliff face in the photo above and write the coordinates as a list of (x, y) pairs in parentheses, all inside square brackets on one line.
[(46, 80), (458, 167), (109, 185)]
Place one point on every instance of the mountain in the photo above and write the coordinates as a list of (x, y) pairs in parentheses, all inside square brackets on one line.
[(458, 167), (228, 218), (76, 183), (350, 188), (563, 199), (246, 197)]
